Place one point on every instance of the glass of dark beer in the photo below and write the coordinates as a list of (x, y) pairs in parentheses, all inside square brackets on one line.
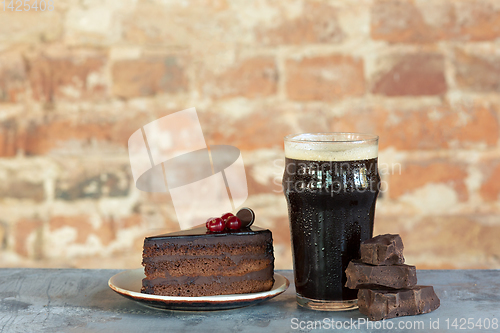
[(331, 183)]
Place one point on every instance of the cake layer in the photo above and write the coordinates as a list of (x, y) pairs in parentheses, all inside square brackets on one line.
[(261, 275), (193, 248), (235, 258), (206, 267), (210, 289)]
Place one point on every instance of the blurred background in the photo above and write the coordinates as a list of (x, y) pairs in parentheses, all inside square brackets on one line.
[(77, 81)]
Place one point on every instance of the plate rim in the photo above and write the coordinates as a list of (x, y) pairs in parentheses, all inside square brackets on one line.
[(206, 299)]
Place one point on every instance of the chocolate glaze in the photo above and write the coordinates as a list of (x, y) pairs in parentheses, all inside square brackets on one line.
[(200, 235), (202, 231)]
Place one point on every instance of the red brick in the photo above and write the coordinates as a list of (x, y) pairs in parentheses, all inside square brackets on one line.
[(260, 129), (132, 220), (420, 130), (10, 138), (29, 27), (81, 223), (312, 120), (427, 128), (66, 77), (316, 24), (254, 187), (325, 78), (23, 229), (146, 24), (447, 238), (403, 21), (3, 236), (138, 243), (59, 133), (154, 198), (13, 78), (94, 182), (281, 231), (198, 26), (110, 226), (400, 21), (477, 73), (251, 78), (264, 126), (149, 76), (107, 231), (281, 238), (16, 188), (41, 138), (417, 175), (412, 75), (477, 21), (490, 188)]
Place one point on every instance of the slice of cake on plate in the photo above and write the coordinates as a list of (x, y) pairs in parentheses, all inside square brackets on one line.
[(199, 262)]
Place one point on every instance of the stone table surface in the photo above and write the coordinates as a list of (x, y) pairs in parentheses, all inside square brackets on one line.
[(78, 300)]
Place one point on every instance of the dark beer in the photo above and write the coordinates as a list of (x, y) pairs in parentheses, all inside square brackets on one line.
[(331, 206)]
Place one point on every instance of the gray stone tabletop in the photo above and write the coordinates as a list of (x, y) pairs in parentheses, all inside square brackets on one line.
[(76, 300)]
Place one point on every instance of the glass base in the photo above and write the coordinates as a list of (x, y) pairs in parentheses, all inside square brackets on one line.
[(322, 305)]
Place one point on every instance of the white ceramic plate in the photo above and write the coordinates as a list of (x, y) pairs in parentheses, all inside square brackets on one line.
[(128, 284)]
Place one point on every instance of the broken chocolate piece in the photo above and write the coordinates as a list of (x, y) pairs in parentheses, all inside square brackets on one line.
[(361, 275), (382, 250), (246, 216), (385, 304)]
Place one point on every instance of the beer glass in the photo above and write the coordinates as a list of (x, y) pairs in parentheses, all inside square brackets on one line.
[(331, 183)]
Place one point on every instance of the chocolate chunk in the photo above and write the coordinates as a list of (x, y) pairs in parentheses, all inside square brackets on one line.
[(382, 250), (361, 275), (385, 304), (246, 216)]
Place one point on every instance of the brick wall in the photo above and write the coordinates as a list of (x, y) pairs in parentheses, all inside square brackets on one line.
[(77, 81)]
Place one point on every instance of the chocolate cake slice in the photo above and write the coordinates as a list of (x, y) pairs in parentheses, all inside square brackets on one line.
[(197, 262)]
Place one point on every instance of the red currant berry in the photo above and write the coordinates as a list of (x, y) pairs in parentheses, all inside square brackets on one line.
[(216, 224), (226, 216), (233, 223)]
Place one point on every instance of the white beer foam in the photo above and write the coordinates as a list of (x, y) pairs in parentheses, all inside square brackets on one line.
[(328, 151)]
